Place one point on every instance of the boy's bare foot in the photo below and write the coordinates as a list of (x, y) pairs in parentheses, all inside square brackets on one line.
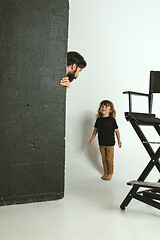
[(104, 177), (109, 177)]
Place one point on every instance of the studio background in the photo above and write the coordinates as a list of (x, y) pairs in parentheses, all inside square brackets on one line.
[(120, 42)]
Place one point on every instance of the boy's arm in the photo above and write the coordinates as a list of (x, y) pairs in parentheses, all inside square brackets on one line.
[(118, 137), (93, 135)]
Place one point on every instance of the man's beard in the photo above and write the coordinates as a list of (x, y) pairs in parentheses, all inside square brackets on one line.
[(71, 76)]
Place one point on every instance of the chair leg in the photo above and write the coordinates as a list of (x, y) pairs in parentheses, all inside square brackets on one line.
[(142, 137), (148, 201), (153, 162), (157, 129), (142, 177)]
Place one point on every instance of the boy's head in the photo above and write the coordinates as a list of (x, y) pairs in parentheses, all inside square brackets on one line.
[(107, 103), (75, 64)]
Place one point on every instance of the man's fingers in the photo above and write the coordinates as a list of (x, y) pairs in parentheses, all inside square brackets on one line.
[(65, 79), (65, 82)]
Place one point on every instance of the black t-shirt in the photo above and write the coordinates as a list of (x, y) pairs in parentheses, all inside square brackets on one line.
[(106, 127)]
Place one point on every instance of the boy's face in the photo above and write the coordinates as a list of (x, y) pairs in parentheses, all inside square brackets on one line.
[(105, 110)]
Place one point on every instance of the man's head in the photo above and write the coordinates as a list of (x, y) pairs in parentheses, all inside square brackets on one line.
[(75, 64)]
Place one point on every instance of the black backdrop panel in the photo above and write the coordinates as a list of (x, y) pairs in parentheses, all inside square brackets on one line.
[(33, 47)]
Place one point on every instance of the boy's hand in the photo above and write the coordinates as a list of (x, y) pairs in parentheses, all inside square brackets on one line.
[(65, 82), (91, 141), (119, 144)]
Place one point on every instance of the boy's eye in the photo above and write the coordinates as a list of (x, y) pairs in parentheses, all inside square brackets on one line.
[(105, 106)]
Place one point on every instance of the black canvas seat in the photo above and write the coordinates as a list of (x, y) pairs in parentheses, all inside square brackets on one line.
[(143, 119), (151, 196)]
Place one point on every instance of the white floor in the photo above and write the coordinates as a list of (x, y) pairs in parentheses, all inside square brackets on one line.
[(89, 211)]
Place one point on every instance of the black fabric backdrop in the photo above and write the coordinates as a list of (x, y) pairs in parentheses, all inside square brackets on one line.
[(33, 47)]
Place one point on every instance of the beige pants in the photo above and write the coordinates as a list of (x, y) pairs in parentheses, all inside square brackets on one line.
[(107, 153)]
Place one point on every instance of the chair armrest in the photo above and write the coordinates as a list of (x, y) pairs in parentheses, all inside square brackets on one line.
[(136, 93)]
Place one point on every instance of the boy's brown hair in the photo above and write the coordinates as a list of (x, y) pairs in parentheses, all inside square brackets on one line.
[(107, 103)]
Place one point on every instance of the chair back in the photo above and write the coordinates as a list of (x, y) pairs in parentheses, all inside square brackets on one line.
[(154, 87), (154, 82)]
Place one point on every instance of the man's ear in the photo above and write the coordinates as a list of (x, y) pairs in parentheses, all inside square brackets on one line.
[(74, 66)]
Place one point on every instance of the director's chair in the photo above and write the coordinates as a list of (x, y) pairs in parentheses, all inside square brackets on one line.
[(151, 196)]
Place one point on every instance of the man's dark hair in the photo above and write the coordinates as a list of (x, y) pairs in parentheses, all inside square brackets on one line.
[(76, 58)]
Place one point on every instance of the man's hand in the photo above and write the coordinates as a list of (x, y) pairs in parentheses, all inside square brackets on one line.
[(65, 82)]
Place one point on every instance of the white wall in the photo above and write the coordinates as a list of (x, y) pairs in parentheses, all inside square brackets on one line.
[(120, 40)]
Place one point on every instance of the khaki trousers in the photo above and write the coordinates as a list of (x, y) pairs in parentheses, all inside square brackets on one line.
[(107, 153)]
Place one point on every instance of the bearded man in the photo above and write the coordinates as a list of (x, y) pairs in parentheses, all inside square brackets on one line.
[(75, 64)]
